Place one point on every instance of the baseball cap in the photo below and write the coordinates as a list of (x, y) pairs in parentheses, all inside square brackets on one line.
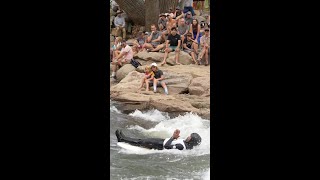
[(153, 64), (188, 12)]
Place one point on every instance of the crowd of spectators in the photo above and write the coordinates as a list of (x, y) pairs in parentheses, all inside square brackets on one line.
[(177, 30)]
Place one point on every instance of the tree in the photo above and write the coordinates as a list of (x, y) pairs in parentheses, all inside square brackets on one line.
[(152, 13), (145, 13), (135, 10)]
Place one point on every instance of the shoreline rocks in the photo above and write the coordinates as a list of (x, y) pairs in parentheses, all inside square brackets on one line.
[(188, 85)]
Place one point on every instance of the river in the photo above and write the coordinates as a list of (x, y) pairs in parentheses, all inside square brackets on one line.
[(158, 164)]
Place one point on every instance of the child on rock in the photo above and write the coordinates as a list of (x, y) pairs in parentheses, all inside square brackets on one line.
[(148, 78)]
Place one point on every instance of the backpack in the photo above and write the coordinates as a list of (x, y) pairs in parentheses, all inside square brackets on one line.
[(135, 63)]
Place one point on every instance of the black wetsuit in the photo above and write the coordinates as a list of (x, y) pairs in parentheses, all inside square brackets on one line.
[(152, 143)]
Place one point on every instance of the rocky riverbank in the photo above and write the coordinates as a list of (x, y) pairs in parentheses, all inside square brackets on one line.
[(188, 85)]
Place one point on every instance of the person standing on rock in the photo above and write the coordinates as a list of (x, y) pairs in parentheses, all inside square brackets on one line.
[(125, 56), (158, 79), (175, 43), (188, 7)]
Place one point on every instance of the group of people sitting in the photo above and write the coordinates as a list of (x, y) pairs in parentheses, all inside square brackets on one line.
[(176, 31)]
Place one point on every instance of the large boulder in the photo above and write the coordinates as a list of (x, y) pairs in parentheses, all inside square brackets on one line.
[(124, 71), (130, 83), (200, 86), (177, 83), (184, 58), (153, 56), (133, 101)]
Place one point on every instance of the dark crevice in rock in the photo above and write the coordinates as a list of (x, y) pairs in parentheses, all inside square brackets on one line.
[(186, 91)]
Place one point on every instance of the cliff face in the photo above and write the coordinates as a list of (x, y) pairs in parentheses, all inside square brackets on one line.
[(188, 86)]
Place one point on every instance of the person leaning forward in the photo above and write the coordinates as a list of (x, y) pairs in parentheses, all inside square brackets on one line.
[(125, 56)]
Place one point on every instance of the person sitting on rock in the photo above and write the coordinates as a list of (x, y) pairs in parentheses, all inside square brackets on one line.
[(183, 29), (158, 79), (170, 23), (120, 23), (188, 18), (139, 42), (189, 47), (194, 139), (125, 56), (205, 46), (175, 43), (148, 77), (153, 40), (116, 47), (195, 30), (178, 14), (162, 22), (207, 21)]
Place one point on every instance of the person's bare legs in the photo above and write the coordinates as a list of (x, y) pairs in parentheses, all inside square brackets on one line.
[(193, 57), (115, 53), (195, 47), (155, 83), (200, 56), (160, 46), (148, 46), (117, 31), (165, 88), (142, 82), (114, 68), (202, 6), (167, 51), (206, 56), (124, 33), (147, 85), (182, 38), (177, 56)]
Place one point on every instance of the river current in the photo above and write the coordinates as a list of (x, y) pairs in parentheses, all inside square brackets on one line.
[(158, 164)]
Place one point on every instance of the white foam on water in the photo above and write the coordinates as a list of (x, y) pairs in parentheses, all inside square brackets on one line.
[(150, 115), (206, 175), (187, 124), (114, 109)]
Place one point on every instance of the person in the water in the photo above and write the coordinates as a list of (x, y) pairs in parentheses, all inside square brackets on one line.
[(157, 143)]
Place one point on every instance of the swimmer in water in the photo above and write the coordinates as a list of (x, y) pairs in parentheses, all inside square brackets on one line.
[(157, 143)]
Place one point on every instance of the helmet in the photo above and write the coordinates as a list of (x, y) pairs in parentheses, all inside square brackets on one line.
[(195, 139)]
